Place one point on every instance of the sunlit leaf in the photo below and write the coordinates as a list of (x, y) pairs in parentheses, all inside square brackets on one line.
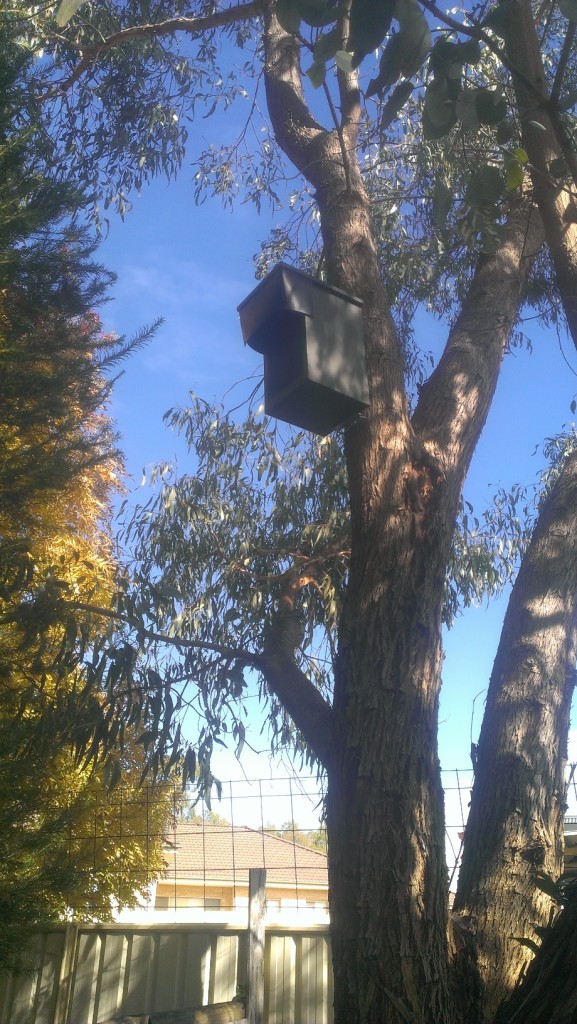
[(67, 10), (317, 74), (344, 61), (514, 174)]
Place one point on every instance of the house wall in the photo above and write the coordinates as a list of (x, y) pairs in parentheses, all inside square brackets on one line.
[(90, 973), (234, 896)]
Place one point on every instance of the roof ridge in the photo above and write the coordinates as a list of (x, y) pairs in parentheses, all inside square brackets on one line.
[(208, 827)]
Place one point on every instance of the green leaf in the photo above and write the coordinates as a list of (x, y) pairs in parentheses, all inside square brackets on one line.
[(344, 61), (415, 35), (446, 55), (505, 131), (547, 885), (369, 24), (390, 66), (316, 73), (496, 20), (240, 735), (395, 102), (432, 130), (406, 50), (442, 202), (491, 106), (317, 12), (466, 108), (486, 186), (66, 11), (568, 8), (189, 771), (327, 46), (558, 168), (439, 108), (288, 14), (514, 175)]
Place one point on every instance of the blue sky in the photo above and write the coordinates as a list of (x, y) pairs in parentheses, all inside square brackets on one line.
[(193, 265)]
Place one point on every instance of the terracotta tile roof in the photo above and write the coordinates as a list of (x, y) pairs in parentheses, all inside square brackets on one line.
[(221, 853)]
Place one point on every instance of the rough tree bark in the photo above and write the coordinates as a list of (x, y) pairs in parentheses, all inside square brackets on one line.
[(384, 804), (515, 825), (548, 992), (545, 141)]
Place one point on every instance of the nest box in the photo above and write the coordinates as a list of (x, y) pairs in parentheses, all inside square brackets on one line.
[(311, 337)]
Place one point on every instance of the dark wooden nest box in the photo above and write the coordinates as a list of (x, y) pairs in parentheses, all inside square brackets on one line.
[(311, 337)]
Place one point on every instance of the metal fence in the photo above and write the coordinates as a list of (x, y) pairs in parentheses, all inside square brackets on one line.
[(273, 809), (86, 973)]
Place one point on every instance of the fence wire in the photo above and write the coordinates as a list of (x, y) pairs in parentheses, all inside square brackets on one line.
[(161, 851)]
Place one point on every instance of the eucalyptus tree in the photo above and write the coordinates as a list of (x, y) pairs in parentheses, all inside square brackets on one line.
[(433, 141)]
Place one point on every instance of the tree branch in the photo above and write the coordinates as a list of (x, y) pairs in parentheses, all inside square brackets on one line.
[(562, 65), (296, 130), (455, 401), (192, 26), (238, 653), (310, 712), (545, 142)]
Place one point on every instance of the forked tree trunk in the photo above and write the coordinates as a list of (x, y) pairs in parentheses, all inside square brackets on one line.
[(388, 889)]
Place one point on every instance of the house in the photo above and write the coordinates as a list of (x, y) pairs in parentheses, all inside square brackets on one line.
[(570, 828), (206, 873)]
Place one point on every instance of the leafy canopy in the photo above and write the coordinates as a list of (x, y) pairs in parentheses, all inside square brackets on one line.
[(60, 470)]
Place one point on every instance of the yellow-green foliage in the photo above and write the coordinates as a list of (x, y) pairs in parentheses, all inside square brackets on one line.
[(67, 845)]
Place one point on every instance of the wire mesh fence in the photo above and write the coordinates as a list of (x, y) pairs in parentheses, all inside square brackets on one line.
[(160, 850)]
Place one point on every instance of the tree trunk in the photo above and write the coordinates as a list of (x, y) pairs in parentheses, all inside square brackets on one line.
[(388, 879), (385, 820), (548, 992), (515, 825), (541, 126)]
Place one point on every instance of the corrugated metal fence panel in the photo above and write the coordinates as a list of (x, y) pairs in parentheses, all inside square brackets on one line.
[(30, 997), (134, 970), (121, 970), (298, 978)]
